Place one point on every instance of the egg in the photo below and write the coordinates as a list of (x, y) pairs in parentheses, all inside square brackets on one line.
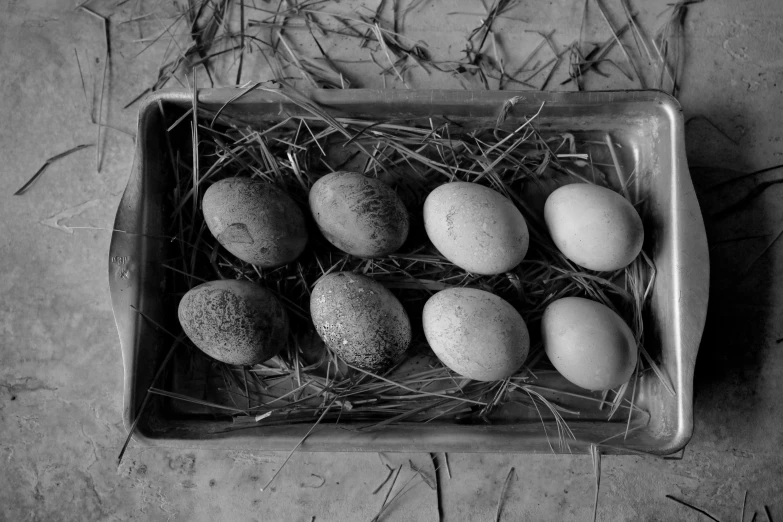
[(593, 226), (475, 228), (360, 320), (237, 322), (255, 221), (588, 343), (359, 215), (475, 333)]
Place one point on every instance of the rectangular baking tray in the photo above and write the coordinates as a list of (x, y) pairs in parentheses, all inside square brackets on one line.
[(648, 129)]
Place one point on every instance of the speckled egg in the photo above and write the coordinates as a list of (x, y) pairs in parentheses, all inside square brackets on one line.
[(255, 221), (475, 333), (360, 320), (237, 322), (475, 228), (359, 215), (588, 343), (593, 226)]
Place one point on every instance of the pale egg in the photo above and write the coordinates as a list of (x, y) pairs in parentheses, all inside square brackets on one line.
[(593, 226), (476, 228), (477, 334), (588, 343)]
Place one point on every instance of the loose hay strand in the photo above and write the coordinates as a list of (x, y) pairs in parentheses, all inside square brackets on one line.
[(393, 482), (194, 129), (694, 508), (631, 62), (388, 476), (502, 497), (106, 67), (595, 453), (293, 450), (161, 368), (24, 188)]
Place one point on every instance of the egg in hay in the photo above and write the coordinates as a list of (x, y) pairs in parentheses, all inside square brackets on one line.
[(475, 227), (360, 320), (593, 226), (237, 322), (588, 343), (255, 221), (477, 334), (359, 215)]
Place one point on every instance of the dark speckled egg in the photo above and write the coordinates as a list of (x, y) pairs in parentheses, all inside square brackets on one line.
[(359, 215), (236, 322), (255, 221), (360, 320)]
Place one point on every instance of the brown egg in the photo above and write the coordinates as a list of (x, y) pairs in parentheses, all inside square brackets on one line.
[(360, 320), (237, 322), (359, 215), (255, 221)]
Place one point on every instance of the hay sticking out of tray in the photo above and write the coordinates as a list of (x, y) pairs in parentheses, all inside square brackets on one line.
[(514, 159), (228, 39)]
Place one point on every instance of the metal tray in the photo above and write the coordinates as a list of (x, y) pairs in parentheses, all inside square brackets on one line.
[(647, 124)]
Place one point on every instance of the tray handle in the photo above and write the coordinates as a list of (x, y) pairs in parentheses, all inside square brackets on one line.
[(689, 293)]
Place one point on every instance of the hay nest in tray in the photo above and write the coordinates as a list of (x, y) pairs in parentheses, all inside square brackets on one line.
[(413, 157)]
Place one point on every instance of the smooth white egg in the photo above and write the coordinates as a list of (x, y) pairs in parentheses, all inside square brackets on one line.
[(593, 226), (588, 343)]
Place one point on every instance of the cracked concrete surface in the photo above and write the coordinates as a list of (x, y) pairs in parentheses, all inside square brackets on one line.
[(60, 366)]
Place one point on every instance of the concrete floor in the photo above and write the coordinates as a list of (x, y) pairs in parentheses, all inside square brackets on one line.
[(60, 366)]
